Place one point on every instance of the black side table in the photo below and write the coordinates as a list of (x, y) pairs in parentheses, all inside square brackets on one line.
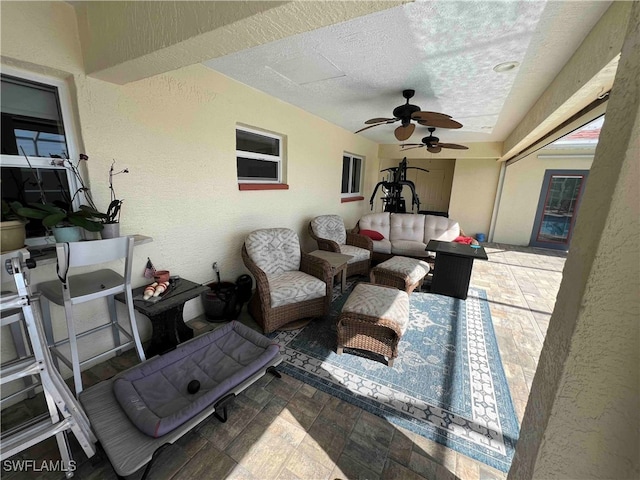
[(166, 317), (454, 262)]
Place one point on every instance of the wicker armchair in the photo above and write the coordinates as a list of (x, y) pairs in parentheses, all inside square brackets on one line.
[(329, 232), (290, 285)]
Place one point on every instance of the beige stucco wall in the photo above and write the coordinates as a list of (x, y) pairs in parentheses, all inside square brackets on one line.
[(127, 41), (582, 419), (176, 134), (521, 193), (41, 36), (473, 193)]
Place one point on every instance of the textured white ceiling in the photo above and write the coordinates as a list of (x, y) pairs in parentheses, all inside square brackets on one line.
[(445, 50)]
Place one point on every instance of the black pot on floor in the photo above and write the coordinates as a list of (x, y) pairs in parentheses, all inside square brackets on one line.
[(220, 303), (244, 288)]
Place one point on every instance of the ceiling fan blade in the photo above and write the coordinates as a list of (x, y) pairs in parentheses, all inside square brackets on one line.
[(455, 146), (402, 133), (440, 123), (434, 149), (428, 115), (410, 148), (412, 145), (370, 126), (380, 120)]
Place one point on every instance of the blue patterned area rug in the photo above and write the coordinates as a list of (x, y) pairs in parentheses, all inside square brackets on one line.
[(447, 383)]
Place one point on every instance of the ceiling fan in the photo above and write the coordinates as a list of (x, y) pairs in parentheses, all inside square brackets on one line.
[(433, 144), (407, 112)]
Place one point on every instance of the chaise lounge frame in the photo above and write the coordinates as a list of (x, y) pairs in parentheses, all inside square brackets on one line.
[(127, 448)]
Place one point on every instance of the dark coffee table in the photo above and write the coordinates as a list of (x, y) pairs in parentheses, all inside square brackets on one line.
[(454, 262), (166, 317)]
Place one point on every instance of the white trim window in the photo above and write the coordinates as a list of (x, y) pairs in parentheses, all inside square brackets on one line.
[(258, 156), (351, 175), (36, 128)]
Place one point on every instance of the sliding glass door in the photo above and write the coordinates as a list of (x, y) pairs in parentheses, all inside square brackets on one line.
[(558, 208)]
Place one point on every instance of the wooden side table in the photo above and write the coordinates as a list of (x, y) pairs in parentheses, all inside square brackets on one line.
[(166, 317), (338, 263), (454, 262)]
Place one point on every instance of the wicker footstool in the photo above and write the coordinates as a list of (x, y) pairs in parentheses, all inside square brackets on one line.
[(374, 318), (403, 273)]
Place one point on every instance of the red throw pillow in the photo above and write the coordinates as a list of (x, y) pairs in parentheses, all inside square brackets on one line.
[(372, 234), (465, 240)]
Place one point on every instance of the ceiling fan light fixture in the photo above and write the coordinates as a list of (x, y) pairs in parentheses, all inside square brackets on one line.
[(506, 66)]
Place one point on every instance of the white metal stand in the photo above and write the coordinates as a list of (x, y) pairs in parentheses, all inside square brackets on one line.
[(64, 412)]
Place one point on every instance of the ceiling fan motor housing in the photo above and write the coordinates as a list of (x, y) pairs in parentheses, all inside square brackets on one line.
[(404, 112), (430, 141)]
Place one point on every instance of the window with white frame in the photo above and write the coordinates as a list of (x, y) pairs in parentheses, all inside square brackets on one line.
[(351, 175), (258, 156), (33, 133)]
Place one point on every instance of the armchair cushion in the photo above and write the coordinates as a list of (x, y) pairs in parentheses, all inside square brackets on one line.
[(330, 227), (357, 254), (293, 287), (274, 250)]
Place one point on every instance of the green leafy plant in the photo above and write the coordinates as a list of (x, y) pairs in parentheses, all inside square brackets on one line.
[(53, 215), (61, 213), (10, 212)]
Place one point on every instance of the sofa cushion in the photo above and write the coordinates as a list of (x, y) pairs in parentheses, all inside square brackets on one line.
[(409, 248), (382, 246), (357, 254), (330, 227), (373, 235), (274, 250), (407, 226), (293, 287), (440, 228), (378, 222)]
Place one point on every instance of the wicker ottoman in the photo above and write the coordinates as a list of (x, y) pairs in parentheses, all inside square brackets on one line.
[(374, 318), (403, 273)]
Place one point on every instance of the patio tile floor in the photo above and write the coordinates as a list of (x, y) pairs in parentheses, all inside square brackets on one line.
[(283, 429)]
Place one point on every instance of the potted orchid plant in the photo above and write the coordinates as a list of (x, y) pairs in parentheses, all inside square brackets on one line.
[(60, 216)]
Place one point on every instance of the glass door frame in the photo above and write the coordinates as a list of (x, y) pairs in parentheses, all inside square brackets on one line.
[(544, 194)]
